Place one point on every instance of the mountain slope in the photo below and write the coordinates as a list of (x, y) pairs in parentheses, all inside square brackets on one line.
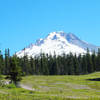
[(75, 40), (58, 43)]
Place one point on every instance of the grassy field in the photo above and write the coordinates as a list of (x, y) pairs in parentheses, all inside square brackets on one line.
[(55, 88)]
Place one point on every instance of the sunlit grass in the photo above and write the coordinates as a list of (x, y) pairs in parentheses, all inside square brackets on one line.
[(55, 88)]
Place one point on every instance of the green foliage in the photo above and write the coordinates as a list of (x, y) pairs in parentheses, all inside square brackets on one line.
[(7, 62), (1, 80), (84, 65), (14, 71), (10, 86), (89, 62), (1, 63), (49, 65)]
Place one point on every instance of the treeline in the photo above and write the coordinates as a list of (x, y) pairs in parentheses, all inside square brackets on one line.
[(51, 65)]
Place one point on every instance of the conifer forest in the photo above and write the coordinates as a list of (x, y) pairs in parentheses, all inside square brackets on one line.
[(50, 65)]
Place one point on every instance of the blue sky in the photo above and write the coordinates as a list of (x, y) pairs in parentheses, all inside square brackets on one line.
[(24, 21)]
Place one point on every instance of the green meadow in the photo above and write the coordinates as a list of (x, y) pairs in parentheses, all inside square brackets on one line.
[(73, 87)]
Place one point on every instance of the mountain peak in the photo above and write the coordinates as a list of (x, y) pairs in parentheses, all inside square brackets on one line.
[(57, 32), (56, 35)]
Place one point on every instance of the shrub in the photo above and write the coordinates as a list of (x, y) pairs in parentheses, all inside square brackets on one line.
[(11, 86)]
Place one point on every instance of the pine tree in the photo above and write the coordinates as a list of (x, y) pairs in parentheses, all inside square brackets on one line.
[(66, 66), (50, 65), (1, 63), (37, 66), (26, 66), (98, 61), (32, 65), (76, 65), (54, 66), (94, 60), (7, 56), (84, 65), (80, 63), (89, 62), (70, 65), (45, 65), (15, 71), (52, 62)]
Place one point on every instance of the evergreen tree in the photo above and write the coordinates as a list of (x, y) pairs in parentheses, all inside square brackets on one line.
[(7, 56), (37, 66), (80, 63), (89, 62), (84, 65), (94, 61), (54, 66), (66, 66), (32, 65), (70, 65), (76, 65), (26, 66), (98, 61), (45, 65), (1, 63), (50, 65), (15, 71)]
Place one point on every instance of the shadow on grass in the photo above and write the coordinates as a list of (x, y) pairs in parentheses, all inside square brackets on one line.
[(94, 79)]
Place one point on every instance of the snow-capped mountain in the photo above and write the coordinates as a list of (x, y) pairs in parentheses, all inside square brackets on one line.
[(58, 43)]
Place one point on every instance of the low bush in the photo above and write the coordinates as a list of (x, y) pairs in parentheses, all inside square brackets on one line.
[(10, 86)]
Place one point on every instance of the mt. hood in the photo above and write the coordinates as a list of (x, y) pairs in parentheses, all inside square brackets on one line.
[(58, 43)]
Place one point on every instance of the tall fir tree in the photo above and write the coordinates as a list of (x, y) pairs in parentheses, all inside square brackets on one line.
[(84, 65), (32, 65), (7, 65), (98, 60), (76, 65), (93, 56), (70, 65), (89, 62), (14, 71), (1, 63)]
